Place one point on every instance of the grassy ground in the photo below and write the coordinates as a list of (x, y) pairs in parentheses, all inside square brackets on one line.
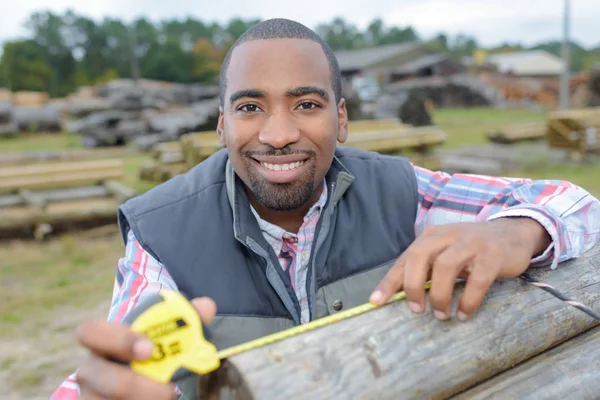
[(46, 289), (44, 141)]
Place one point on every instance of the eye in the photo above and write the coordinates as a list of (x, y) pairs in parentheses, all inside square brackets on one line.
[(248, 108), (308, 105)]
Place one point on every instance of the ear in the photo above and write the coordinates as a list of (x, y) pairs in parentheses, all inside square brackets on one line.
[(343, 121), (221, 128)]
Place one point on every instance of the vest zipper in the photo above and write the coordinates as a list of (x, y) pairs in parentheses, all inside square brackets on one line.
[(323, 227)]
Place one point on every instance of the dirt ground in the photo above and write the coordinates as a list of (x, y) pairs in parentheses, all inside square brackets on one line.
[(46, 290)]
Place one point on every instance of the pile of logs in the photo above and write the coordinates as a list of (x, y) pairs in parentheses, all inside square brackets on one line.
[(8, 123), (459, 90), (574, 130), (387, 136), (42, 197), (530, 131), (141, 116)]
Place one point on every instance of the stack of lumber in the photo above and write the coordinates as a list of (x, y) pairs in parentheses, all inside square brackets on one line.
[(46, 196), (522, 343), (574, 130), (518, 133), (387, 136)]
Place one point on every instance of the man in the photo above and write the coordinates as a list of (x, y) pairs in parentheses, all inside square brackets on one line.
[(282, 227)]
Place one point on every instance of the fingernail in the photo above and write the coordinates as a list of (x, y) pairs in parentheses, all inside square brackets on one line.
[(376, 297), (142, 349), (439, 314), (415, 307), (462, 316)]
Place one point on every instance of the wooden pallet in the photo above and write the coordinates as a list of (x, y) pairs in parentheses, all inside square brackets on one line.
[(38, 198)]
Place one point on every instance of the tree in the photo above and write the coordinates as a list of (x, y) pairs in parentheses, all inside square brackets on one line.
[(24, 67), (207, 61)]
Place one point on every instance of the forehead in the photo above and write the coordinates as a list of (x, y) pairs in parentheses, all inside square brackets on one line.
[(278, 64)]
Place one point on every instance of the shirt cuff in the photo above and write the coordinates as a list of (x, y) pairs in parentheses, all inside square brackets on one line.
[(551, 254)]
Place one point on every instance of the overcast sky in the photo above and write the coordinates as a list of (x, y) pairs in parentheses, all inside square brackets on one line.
[(491, 21)]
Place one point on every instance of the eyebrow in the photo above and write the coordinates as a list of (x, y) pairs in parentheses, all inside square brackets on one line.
[(254, 93), (304, 90), (295, 92)]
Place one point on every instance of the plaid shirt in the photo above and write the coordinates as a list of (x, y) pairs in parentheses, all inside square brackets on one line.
[(569, 214)]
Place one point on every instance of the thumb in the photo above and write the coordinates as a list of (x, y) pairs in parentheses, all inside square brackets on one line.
[(206, 307)]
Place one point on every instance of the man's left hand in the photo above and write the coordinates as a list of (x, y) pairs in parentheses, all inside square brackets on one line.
[(477, 252)]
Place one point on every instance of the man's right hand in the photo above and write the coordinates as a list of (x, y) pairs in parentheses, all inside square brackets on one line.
[(101, 378)]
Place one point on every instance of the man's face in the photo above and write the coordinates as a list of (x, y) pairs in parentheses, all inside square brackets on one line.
[(280, 121)]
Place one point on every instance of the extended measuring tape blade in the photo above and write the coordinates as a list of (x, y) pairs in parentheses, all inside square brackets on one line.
[(173, 325)]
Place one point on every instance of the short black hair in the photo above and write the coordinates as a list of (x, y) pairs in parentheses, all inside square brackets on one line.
[(281, 28)]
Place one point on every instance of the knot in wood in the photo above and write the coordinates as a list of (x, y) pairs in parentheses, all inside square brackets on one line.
[(337, 305)]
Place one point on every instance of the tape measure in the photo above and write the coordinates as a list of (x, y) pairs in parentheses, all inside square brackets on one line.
[(182, 343)]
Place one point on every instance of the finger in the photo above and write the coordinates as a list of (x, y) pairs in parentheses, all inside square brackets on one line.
[(445, 270), (478, 283), (113, 340), (419, 259), (391, 283), (110, 380), (206, 307)]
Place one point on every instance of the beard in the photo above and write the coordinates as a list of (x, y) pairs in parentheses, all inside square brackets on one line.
[(281, 196)]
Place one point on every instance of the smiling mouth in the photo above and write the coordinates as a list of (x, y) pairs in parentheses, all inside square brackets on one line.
[(281, 167)]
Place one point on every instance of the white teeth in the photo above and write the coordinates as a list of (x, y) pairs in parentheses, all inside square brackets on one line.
[(282, 167)]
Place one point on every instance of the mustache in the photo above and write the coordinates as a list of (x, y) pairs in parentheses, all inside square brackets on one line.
[(285, 151)]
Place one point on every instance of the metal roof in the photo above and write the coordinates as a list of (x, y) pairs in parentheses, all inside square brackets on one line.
[(364, 58), (420, 63), (534, 62)]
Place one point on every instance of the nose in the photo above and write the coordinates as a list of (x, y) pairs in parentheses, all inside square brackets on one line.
[(279, 131)]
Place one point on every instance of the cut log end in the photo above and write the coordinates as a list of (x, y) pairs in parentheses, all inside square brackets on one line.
[(225, 383)]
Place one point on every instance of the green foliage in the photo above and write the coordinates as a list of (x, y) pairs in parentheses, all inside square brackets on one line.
[(65, 51), (24, 66)]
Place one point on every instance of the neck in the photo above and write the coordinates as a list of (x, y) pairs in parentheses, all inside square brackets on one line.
[(292, 220)]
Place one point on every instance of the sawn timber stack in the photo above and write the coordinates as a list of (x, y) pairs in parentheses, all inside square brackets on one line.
[(52, 196), (577, 131)]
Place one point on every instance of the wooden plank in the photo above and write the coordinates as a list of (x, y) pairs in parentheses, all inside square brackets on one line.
[(543, 376), (43, 156), (518, 133), (59, 212), (121, 192), (78, 193), (394, 140), (374, 125), (392, 353), (59, 179), (57, 167)]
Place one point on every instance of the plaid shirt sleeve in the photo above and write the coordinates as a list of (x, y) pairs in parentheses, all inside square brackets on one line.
[(570, 215), (138, 275)]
